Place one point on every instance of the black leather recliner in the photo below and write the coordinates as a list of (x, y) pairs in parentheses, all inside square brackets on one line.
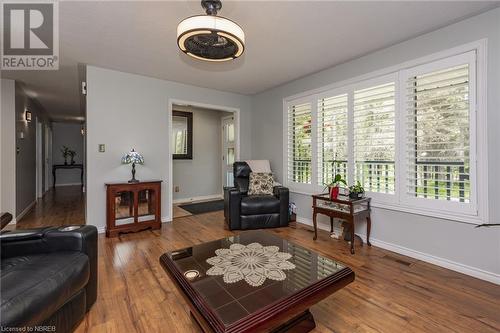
[(243, 211), (48, 277)]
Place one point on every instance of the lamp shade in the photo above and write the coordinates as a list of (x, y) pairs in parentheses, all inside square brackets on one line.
[(132, 157)]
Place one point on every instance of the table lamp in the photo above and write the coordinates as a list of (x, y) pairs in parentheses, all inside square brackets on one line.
[(133, 157)]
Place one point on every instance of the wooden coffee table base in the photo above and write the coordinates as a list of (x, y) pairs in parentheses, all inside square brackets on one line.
[(302, 323)]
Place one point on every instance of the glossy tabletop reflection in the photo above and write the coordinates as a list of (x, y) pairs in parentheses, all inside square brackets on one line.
[(240, 298)]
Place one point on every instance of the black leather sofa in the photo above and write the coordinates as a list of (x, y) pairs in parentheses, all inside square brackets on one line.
[(243, 211), (48, 278)]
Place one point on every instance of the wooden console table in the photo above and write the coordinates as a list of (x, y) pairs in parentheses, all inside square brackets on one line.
[(132, 207), (344, 208), (66, 166)]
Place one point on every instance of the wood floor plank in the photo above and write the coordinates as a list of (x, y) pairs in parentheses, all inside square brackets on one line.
[(391, 293)]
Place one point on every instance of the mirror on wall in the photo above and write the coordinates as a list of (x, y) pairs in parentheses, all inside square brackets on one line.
[(182, 135)]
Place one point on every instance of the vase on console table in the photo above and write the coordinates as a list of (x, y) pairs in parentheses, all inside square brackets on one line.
[(334, 192)]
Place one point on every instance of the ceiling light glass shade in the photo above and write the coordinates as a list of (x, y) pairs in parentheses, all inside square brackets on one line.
[(210, 37)]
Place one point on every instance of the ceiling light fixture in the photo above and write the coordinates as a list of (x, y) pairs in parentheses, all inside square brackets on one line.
[(210, 37)]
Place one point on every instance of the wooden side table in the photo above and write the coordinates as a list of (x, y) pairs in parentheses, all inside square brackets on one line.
[(132, 207), (345, 208)]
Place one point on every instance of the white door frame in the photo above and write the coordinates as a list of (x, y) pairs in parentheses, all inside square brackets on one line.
[(171, 102), (38, 158), (47, 159)]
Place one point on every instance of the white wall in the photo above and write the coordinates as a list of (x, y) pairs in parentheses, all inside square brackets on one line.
[(127, 111), (455, 245), (67, 134), (8, 147), (201, 176), (26, 157)]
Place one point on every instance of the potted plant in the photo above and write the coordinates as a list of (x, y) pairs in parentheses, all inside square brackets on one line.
[(65, 154), (334, 186), (356, 191), (72, 154)]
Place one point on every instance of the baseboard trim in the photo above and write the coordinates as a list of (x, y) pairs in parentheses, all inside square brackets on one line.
[(25, 211), (69, 184), (438, 261), (199, 198)]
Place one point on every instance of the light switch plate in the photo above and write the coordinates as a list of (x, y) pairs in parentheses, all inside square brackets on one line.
[(102, 147)]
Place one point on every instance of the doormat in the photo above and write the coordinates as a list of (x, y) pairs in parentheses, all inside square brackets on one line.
[(203, 207)]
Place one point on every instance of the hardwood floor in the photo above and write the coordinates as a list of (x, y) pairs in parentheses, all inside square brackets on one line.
[(391, 293), (62, 205), (179, 212)]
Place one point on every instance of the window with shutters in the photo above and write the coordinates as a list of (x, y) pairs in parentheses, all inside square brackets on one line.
[(332, 138), (439, 128), (410, 137), (374, 137), (300, 143)]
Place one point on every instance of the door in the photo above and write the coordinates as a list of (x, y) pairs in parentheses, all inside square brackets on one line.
[(228, 150)]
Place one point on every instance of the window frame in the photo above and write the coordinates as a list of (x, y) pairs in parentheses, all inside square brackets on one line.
[(451, 207), (391, 77), (478, 140), (332, 93), (301, 187)]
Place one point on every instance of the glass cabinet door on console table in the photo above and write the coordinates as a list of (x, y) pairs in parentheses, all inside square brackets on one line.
[(132, 207)]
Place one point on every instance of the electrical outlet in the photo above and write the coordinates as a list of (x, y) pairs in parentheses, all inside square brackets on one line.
[(176, 189), (102, 147)]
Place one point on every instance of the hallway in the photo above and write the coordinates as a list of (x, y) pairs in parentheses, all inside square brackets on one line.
[(63, 205)]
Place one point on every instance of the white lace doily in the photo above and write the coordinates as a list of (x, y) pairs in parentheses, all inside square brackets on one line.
[(253, 262)]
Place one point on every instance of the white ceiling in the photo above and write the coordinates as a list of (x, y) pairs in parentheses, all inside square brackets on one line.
[(284, 41)]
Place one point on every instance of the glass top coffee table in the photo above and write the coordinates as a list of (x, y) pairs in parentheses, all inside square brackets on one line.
[(254, 282)]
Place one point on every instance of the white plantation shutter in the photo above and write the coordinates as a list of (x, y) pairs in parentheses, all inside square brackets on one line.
[(414, 138), (299, 143), (439, 125), (332, 138), (374, 137)]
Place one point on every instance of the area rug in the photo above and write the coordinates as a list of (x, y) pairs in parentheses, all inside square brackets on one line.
[(204, 207)]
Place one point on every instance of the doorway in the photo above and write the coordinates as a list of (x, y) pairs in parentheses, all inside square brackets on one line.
[(198, 177)]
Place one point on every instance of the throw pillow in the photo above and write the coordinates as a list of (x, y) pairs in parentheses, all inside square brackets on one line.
[(260, 183)]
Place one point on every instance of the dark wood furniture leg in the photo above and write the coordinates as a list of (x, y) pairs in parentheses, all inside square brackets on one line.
[(352, 236), (53, 177), (81, 176), (331, 224), (368, 229), (315, 225), (131, 203)]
